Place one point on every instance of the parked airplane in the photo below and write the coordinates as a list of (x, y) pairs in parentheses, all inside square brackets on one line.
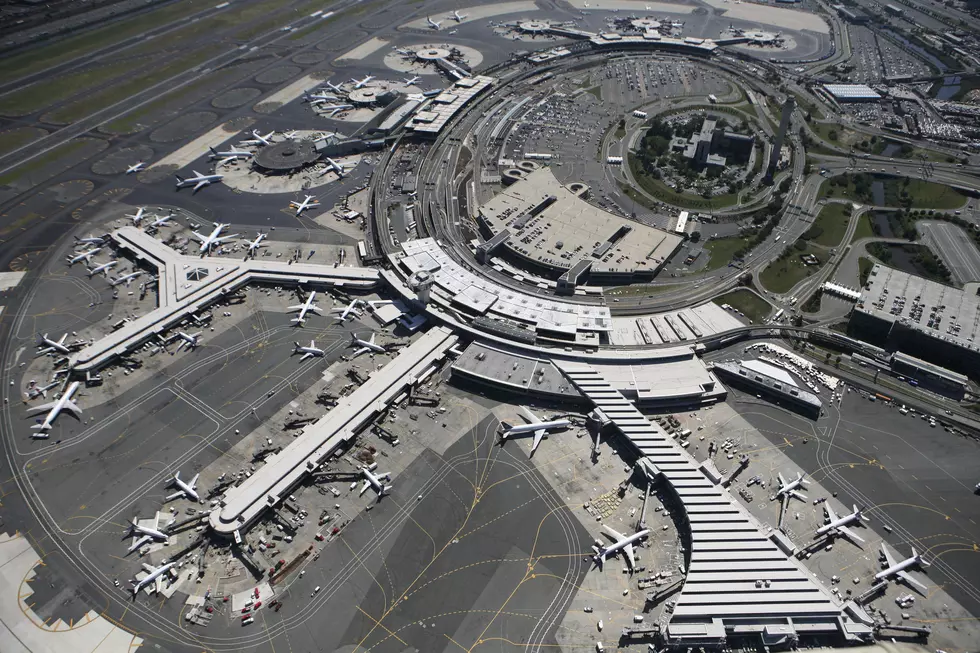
[(434, 24), (228, 155), (348, 311), (308, 352), (365, 345), (52, 345), (332, 166), (126, 278), (189, 340), (104, 269), (320, 98), (535, 426), (42, 390), (458, 17), (361, 83), (255, 245), (259, 139), (153, 576), (790, 489), (622, 543), (308, 203), (136, 167), (408, 81), (84, 256), (898, 568), (144, 535), (838, 525), (137, 217), (334, 109), (375, 481), (198, 181), (213, 239), (93, 240), (334, 88), (54, 409), (305, 308), (186, 490), (161, 222)]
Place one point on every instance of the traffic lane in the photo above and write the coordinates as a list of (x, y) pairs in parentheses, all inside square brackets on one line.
[(954, 247)]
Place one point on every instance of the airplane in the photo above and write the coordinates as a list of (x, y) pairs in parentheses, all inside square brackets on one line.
[(42, 390), (334, 109), (458, 17), (334, 87), (186, 490), (227, 155), (308, 352), (304, 308), (161, 222), (351, 309), (332, 166), (309, 203), (622, 543), (259, 139), (153, 576), (198, 181), (126, 278), (535, 426), (84, 256), (137, 217), (838, 525), (209, 241), (320, 98), (433, 23), (144, 534), (408, 81), (136, 167), (54, 409), (288, 135), (361, 83), (189, 340), (375, 481), (255, 245), (104, 269), (789, 489), (52, 345), (898, 568), (365, 345), (95, 240)]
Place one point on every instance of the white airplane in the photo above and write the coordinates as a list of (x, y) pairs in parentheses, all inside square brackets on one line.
[(259, 139), (186, 490), (255, 245), (308, 352), (161, 222), (137, 217), (144, 534), (535, 426), (434, 24), (308, 203), (104, 269), (458, 17), (198, 181), (898, 568), (126, 278), (790, 489), (334, 109), (84, 256), (54, 409), (227, 156), (348, 311), (408, 81), (622, 543), (361, 83), (838, 525), (320, 98), (52, 345), (334, 87), (214, 238), (375, 481), (85, 242), (189, 340), (305, 308), (337, 168), (153, 576), (136, 167), (289, 135), (365, 345), (42, 390)]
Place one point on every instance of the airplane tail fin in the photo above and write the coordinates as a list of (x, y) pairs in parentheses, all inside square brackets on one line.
[(179, 179)]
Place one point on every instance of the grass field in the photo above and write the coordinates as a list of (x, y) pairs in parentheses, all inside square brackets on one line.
[(863, 229), (44, 94), (917, 194), (864, 269), (684, 200), (721, 250), (37, 59), (831, 224), (118, 92), (44, 160), (13, 138), (139, 119), (752, 306), (782, 274), (639, 290)]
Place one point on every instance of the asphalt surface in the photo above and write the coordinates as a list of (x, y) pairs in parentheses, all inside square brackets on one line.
[(954, 246), (913, 478)]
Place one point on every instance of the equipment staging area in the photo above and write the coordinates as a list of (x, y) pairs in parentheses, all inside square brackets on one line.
[(375, 326)]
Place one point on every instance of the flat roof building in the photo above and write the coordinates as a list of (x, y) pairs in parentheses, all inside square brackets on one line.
[(763, 378), (852, 92)]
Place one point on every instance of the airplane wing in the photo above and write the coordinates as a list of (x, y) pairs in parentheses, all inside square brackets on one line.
[(305, 356), (73, 408), (362, 350), (538, 436), (199, 236), (831, 515), (33, 410), (364, 487), (295, 308), (372, 338), (628, 550), (782, 481), (158, 584), (851, 535), (148, 568), (175, 495), (140, 542), (193, 481), (201, 184), (911, 581), (889, 560), (613, 534), (529, 416)]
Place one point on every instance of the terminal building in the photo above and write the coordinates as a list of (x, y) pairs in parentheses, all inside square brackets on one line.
[(777, 384), (548, 228), (904, 312)]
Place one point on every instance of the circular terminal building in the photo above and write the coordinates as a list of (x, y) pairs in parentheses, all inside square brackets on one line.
[(286, 157)]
